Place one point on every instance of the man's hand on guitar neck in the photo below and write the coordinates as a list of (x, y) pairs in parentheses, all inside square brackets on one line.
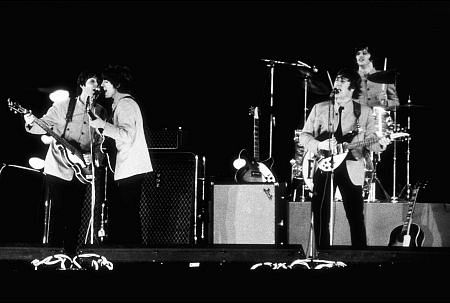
[(384, 142), (29, 119)]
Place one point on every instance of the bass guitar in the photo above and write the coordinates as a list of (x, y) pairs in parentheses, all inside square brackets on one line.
[(255, 171), (72, 157), (409, 234)]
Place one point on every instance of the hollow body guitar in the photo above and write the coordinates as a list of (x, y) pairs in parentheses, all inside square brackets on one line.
[(72, 156), (409, 234), (254, 170)]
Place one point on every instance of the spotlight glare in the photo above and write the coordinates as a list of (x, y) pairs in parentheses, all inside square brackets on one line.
[(46, 139), (59, 95), (238, 163), (36, 163)]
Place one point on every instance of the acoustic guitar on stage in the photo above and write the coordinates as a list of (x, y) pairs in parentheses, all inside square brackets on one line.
[(409, 234), (254, 170), (72, 156)]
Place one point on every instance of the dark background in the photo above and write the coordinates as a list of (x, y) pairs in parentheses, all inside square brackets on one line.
[(197, 65)]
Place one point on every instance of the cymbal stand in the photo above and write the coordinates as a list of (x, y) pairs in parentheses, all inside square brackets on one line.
[(302, 183), (407, 186), (271, 65), (374, 181), (394, 198)]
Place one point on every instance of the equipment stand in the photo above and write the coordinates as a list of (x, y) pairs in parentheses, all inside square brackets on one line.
[(373, 182), (407, 186), (394, 198)]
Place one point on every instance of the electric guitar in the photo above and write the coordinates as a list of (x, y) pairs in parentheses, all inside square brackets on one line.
[(339, 154), (107, 145), (72, 157), (255, 171), (409, 234)]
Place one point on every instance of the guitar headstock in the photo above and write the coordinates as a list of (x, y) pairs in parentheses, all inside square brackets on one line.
[(415, 191), (297, 134), (16, 107), (254, 112)]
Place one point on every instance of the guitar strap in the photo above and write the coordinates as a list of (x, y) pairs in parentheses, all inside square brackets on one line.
[(69, 115)]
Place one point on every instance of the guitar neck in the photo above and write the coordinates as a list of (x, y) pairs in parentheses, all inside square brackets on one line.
[(363, 143), (411, 208), (256, 140), (58, 138)]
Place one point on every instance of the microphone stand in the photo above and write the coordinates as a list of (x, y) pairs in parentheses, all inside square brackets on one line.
[(90, 103), (331, 223)]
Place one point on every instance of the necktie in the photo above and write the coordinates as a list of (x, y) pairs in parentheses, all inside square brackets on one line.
[(338, 132)]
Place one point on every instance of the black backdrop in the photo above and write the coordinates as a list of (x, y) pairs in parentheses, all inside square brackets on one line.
[(197, 65)]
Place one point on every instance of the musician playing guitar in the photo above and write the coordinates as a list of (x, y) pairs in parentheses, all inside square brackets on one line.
[(321, 135), (68, 121)]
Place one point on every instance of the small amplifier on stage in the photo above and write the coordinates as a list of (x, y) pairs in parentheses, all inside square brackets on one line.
[(165, 139), (246, 214)]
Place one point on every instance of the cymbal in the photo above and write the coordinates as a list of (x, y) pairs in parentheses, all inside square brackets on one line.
[(317, 87), (305, 72), (385, 77), (314, 85)]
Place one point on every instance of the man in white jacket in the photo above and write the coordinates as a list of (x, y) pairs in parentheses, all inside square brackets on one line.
[(132, 160)]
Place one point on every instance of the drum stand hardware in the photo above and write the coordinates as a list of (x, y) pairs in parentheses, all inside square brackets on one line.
[(407, 188), (373, 183)]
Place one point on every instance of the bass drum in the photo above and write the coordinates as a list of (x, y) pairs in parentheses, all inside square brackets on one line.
[(309, 167)]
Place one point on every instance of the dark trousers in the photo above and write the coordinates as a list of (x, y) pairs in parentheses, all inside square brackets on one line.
[(353, 205), (65, 214), (124, 219)]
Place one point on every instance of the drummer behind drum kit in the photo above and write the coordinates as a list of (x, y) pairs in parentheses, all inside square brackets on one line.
[(303, 167)]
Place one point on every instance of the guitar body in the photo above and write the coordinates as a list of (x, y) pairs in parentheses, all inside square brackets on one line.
[(409, 234), (83, 171), (255, 172), (399, 238), (71, 155)]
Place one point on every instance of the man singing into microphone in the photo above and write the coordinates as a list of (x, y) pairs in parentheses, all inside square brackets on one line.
[(341, 119), (69, 120)]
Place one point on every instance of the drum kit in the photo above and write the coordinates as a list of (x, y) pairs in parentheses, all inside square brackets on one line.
[(386, 119)]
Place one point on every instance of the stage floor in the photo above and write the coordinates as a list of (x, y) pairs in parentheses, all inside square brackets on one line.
[(223, 273)]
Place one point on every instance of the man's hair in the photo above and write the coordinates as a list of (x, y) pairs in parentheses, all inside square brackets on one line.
[(119, 76), (364, 46), (84, 76), (354, 78)]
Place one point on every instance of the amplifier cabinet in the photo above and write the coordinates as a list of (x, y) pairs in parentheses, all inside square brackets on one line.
[(169, 199), (245, 214)]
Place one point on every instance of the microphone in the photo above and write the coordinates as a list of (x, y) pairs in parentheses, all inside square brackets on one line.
[(334, 91), (97, 92)]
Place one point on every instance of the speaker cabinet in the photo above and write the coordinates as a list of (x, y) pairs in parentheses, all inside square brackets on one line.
[(245, 213), (160, 139), (22, 205), (169, 199)]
